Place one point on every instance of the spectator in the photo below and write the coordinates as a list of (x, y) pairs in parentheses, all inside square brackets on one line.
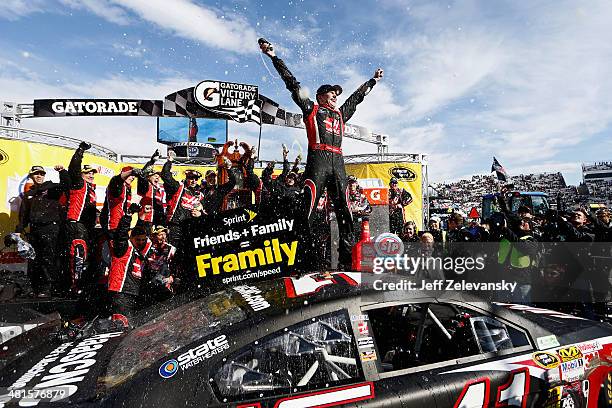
[(41, 210), (409, 232), (436, 230)]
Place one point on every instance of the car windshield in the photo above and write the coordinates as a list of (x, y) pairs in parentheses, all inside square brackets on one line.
[(168, 332)]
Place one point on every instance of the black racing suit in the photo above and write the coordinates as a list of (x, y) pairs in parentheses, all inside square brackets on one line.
[(214, 195), (325, 163), (42, 212)]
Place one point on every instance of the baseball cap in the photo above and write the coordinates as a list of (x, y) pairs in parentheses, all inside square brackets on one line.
[(193, 174), (126, 169), (209, 172), (87, 168), (328, 88), (393, 180), (37, 169)]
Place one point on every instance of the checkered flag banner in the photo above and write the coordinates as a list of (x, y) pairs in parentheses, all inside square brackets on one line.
[(249, 113), (273, 114)]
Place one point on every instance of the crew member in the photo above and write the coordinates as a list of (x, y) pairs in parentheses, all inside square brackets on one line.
[(398, 199), (41, 210), (129, 261), (325, 130), (184, 199), (153, 194), (81, 215), (213, 193)]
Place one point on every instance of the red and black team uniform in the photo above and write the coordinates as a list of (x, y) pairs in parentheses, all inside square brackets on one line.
[(398, 199), (81, 217), (181, 200), (116, 203), (152, 195), (128, 269), (325, 163)]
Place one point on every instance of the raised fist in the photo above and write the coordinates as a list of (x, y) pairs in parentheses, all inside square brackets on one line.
[(134, 208), (84, 146), (58, 167), (266, 47), (156, 155), (378, 74)]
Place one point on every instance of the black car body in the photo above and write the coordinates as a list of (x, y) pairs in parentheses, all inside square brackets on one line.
[(321, 340)]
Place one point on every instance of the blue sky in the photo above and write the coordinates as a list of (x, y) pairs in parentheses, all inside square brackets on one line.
[(528, 82)]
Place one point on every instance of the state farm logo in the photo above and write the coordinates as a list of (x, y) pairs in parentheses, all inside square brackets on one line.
[(3, 157), (403, 173)]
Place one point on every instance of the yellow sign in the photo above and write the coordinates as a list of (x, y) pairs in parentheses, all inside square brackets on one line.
[(409, 177), (570, 353), (546, 360)]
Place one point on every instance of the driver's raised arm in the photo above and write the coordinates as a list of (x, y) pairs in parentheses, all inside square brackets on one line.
[(350, 105), (291, 83)]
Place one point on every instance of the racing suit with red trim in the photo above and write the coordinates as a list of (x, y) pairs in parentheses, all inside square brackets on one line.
[(81, 220), (325, 163)]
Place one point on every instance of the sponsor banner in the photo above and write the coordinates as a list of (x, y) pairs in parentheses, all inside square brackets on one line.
[(19, 157), (365, 342), (194, 356), (409, 176), (96, 107), (241, 246), (240, 102)]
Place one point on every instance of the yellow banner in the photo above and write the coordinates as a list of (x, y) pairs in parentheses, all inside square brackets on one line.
[(20, 156), (409, 177)]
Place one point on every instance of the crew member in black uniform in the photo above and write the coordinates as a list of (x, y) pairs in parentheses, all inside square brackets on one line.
[(41, 210), (325, 130)]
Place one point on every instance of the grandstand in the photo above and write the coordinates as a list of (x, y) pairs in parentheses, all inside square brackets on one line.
[(597, 177), (465, 194)]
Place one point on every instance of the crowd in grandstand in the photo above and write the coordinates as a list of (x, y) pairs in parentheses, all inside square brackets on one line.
[(466, 194)]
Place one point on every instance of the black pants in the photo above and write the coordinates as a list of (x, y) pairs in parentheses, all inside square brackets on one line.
[(396, 221), (79, 253), (326, 169), (44, 270), (124, 304)]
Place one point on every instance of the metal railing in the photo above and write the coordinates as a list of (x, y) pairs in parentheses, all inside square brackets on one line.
[(52, 139)]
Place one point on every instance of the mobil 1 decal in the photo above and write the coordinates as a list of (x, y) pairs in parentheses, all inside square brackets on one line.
[(240, 246)]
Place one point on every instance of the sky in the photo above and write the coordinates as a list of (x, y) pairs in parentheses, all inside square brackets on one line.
[(528, 82)]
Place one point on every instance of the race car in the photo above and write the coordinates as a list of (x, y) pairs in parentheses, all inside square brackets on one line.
[(322, 340)]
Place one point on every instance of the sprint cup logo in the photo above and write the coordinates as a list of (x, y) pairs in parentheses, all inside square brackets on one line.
[(546, 360), (3, 157), (403, 173), (217, 94), (194, 356)]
